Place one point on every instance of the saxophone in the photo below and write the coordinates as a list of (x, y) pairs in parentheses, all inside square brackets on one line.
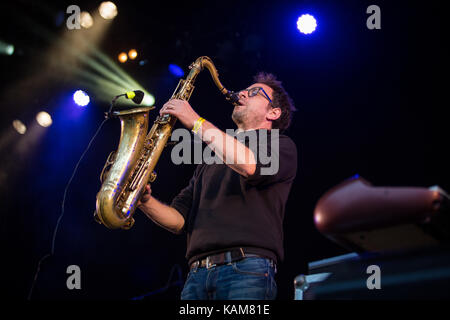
[(130, 168)]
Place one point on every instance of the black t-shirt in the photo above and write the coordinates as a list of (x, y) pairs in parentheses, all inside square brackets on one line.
[(224, 210)]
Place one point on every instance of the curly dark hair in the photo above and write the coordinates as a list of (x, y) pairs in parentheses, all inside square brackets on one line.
[(280, 100)]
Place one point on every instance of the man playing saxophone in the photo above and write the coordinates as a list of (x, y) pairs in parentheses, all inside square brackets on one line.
[(232, 213)]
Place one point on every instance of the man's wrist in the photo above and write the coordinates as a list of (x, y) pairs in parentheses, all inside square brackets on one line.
[(197, 124), (146, 204)]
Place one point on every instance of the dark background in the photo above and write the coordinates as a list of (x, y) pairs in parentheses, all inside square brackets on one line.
[(370, 102)]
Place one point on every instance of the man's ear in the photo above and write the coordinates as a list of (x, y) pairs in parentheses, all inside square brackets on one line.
[(273, 114)]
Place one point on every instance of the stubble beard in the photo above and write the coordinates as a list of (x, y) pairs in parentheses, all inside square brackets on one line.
[(238, 117), (245, 119)]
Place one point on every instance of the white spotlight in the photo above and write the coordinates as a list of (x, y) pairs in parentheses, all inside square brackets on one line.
[(44, 119), (19, 126), (306, 23), (108, 10), (6, 48), (81, 98), (149, 100), (10, 50), (86, 20)]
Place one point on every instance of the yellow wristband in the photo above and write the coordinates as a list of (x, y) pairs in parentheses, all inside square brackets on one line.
[(197, 125)]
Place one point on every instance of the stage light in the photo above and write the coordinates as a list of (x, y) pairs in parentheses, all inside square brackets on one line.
[(132, 54), (176, 70), (6, 48), (108, 10), (10, 50), (122, 57), (148, 100), (306, 24), (19, 126), (103, 77), (86, 20), (44, 119), (81, 98)]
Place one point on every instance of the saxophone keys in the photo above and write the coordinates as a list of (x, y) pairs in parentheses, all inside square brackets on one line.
[(152, 177), (108, 164), (128, 224)]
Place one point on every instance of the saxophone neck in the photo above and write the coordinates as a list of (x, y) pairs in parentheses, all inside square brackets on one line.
[(186, 86), (206, 62)]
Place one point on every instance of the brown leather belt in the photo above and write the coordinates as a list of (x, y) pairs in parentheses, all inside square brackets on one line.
[(221, 258)]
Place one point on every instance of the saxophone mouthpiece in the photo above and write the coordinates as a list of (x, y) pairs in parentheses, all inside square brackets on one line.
[(233, 97)]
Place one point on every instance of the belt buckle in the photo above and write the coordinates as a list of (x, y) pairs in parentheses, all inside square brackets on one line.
[(208, 263), (195, 265)]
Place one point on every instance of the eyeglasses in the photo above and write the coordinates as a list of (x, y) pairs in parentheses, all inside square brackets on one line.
[(255, 90)]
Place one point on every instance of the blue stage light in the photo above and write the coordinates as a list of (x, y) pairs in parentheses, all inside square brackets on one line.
[(176, 70), (355, 176), (306, 24), (81, 98)]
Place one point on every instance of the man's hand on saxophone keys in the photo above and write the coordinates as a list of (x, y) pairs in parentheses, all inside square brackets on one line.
[(182, 110)]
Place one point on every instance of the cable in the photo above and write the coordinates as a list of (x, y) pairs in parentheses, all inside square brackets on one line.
[(62, 206)]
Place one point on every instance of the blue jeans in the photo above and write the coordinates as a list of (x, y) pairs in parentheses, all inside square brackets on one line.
[(252, 278)]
